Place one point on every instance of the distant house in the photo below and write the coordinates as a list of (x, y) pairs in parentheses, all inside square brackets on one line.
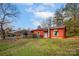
[(23, 33), (54, 32)]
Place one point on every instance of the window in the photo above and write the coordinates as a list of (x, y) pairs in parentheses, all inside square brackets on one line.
[(55, 33)]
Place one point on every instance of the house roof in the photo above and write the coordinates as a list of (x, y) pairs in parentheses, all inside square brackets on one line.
[(39, 29), (55, 27)]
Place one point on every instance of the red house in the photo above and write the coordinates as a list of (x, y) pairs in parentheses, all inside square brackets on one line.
[(53, 32)]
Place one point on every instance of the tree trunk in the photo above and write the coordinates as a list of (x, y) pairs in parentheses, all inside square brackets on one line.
[(74, 29), (2, 32), (48, 32)]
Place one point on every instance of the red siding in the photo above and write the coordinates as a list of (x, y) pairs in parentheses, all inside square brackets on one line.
[(40, 31), (61, 33)]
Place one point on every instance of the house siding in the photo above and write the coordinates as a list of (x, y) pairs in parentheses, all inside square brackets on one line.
[(61, 33), (41, 33)]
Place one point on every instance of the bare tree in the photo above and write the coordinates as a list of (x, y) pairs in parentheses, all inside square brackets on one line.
[(7, 12), (59, 17), (46, 23)]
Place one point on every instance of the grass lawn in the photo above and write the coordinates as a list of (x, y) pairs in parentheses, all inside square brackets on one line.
[(39, 47)]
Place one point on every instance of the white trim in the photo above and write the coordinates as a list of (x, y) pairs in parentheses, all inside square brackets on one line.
[(57, 33), (38, 34), (45, 33)]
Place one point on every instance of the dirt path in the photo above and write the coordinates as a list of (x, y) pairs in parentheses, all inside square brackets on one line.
[(73, 37)]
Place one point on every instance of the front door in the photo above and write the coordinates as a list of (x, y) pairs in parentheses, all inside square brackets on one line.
[(45, 34), (38, 34)]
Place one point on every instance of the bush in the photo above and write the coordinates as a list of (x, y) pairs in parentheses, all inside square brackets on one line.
[(70, 34)]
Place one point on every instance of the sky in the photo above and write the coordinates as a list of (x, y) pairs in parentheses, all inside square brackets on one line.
[(32, 14)]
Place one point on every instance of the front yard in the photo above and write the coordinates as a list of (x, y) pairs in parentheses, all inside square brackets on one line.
[(39, 47)]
